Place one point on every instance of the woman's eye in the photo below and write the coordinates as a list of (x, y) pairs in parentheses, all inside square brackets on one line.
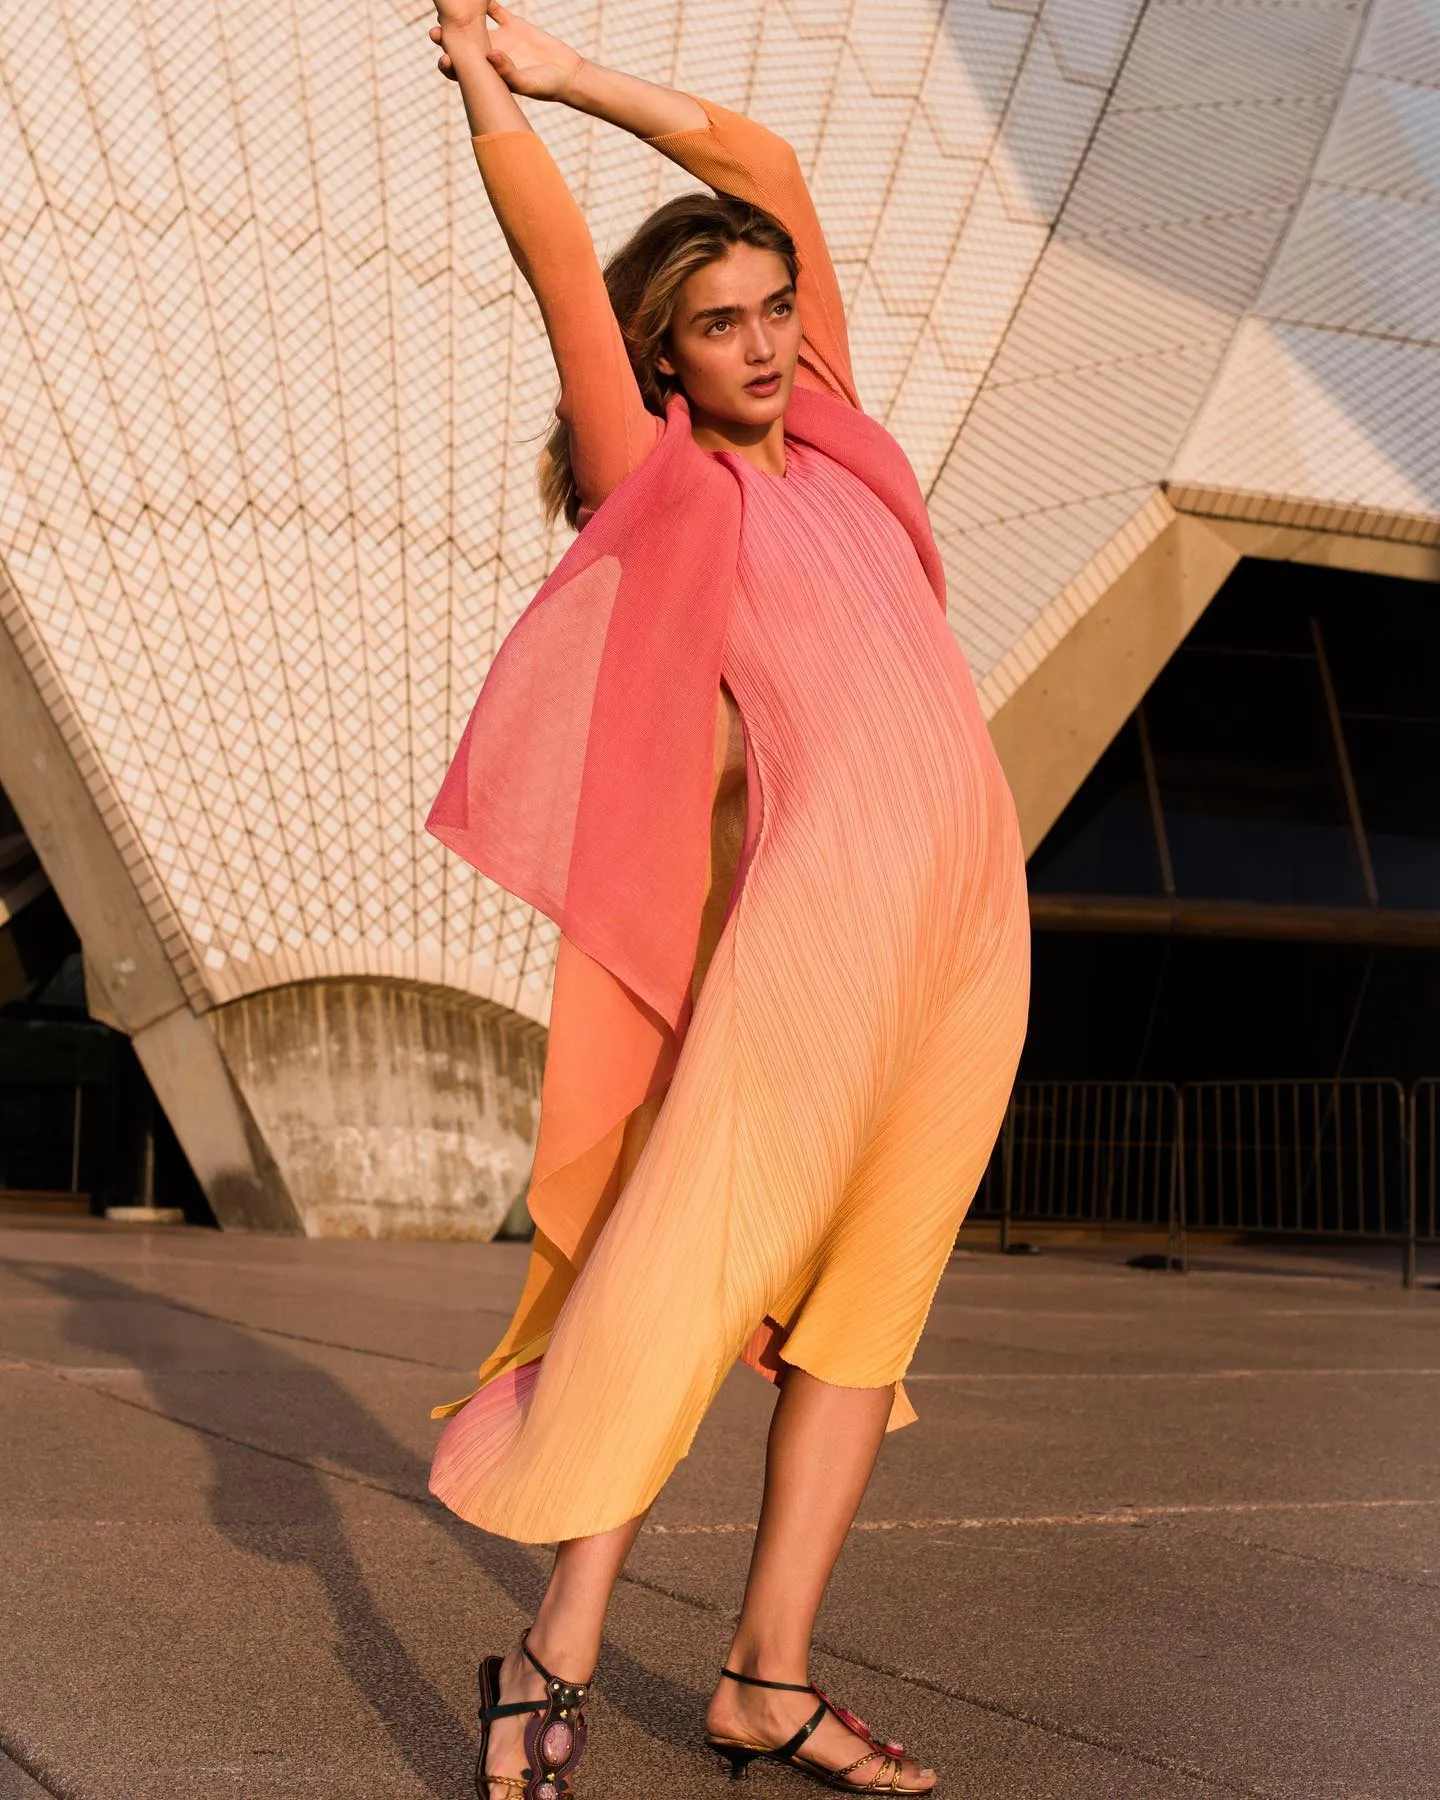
[(783, 309), (717, 327)]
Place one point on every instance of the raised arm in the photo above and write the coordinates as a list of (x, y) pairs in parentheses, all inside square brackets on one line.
[(611, 433), (495, 55)]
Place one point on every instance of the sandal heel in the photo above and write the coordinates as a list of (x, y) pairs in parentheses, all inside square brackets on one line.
[(738, 1759)]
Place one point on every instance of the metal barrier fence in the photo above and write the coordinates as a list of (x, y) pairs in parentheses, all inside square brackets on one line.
[(1295, 1158), (1344, 1159), (1424, 1222), (1093, 1152)]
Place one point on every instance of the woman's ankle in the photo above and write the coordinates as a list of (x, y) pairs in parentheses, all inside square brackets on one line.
[(770, 1659), (569, 1656)]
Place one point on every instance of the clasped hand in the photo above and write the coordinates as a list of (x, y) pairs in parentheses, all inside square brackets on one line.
[(529, 61)]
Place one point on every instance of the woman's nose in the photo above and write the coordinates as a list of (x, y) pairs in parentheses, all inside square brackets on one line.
[(758, 345)]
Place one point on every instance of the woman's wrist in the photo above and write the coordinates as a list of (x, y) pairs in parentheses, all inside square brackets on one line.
[(567, 86), (472, 38), (489, 105), (587, 87)]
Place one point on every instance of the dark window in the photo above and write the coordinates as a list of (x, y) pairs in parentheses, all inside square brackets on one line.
[(1396, 763), (37, 1126), (1383, 640), (1249, 781), (1249, 774), (1119, 1007), (1397, 1032), (1384, 651), (1262, 607), (1103, 843), (1235, 1010), (1092, 1005)]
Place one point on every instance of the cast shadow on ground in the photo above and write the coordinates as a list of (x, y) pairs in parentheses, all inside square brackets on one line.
[(436, 1746)]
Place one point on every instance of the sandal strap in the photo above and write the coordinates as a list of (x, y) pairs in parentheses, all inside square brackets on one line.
[(783, 1687), (837, 1775), (578, 1688), (510, 1710), (885, 1780), (853, 1722), (786, 1752), (891, 1770)]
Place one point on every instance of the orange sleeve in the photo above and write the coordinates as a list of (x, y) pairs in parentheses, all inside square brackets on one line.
[(611, 433), (735, 156)]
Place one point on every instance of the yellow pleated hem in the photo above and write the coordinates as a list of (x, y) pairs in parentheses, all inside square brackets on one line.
[(508, 1529), (902, 1412), (594, 1523), (531, 1352)]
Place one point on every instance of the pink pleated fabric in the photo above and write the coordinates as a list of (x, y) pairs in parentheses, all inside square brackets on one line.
[(843, 1076)]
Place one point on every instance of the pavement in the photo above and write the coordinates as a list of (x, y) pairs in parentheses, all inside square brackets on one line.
[(1155, 1535)]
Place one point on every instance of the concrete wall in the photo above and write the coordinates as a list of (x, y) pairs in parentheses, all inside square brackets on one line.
[(392, 1110)]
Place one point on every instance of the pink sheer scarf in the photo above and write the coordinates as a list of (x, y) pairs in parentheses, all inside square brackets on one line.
[(582, 782)]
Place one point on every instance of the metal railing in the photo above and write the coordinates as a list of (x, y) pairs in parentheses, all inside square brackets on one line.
[(1085, 1152), (1295, 1158), (1424, 1199), (1338, 1159)]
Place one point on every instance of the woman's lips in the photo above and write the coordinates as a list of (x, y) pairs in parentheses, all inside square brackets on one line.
[(763, 385)]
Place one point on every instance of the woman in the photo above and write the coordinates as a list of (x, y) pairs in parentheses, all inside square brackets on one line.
[(733, 748)]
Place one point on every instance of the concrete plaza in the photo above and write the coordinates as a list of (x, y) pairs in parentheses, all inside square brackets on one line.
[(1155, 1536)]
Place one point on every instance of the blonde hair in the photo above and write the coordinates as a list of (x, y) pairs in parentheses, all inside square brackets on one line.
[(643, 280)]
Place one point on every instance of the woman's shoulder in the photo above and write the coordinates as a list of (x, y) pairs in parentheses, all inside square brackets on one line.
[(645, 435)]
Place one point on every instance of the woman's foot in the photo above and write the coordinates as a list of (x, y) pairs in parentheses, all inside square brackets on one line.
[(558, 1722), (505, 1754), (749, 1715)]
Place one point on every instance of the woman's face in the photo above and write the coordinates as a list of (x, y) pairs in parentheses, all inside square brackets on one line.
[(735, 338)]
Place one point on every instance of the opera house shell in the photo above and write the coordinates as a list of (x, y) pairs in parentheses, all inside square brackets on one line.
[(1142, 286)]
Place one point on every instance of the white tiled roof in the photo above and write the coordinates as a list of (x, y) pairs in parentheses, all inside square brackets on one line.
[(270, 396), (1330, 392)]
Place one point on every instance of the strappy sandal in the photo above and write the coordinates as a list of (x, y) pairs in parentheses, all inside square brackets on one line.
[(889, 1756), (554, 1739)]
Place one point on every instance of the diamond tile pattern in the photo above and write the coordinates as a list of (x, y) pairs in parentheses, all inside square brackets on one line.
[(271, 394), (1329, 394)]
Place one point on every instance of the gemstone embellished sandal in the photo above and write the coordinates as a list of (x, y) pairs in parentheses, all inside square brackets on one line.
[(554, 1739), (889, 1757)]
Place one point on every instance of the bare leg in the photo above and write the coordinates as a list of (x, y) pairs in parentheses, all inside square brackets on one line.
[(823, 1445), (565, 1635)]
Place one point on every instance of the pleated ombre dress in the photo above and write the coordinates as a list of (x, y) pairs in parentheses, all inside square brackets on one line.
[(778, 1170)]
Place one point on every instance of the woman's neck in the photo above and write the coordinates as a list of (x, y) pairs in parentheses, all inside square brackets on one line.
[(762, 445)]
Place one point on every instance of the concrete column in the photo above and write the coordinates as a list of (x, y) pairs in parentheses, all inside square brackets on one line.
[(392, 1110), (132, 981)]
